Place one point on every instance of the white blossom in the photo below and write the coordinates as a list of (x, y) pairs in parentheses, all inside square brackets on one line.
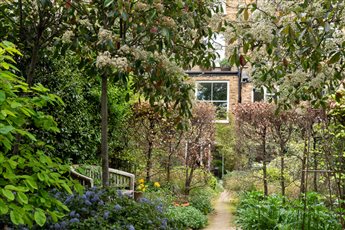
[(67, 36)]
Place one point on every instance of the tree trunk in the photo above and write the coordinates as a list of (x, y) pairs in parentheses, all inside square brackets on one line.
[(303, 172), (104, 134), (169, 163), (264, 172), (188, 180), (149, 151), (282, 177), (32, 66), (149, 162), (264, 165), (315, 165)]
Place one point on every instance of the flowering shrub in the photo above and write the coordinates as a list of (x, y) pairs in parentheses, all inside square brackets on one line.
[(151, 186), (109, 209)]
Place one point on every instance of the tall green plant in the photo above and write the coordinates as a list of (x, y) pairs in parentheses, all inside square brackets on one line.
[(26, 177)]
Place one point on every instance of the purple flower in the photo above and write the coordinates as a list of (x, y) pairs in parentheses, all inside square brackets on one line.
[(101, 203), (88, 203), (74, 220), (57, 226), (117, 207), (89, 193), (159, 208), (130, 227), (144, 200), (72, 214), (106, 215)]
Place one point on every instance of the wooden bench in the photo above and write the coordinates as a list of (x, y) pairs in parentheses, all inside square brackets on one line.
[(91, 175)]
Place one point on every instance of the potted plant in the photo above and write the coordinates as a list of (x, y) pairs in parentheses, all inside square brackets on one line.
[(225, 65)]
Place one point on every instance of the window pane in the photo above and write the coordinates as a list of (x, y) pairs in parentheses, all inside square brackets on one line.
[(258, 95), (204, 91), (219, 91), (221, 110)]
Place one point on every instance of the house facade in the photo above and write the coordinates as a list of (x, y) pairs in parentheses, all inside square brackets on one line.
[(224, 89)]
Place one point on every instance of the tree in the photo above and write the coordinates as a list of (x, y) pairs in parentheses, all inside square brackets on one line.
[(253, 121), (33, 26), (199, 140), (146, 39), (296, 48)]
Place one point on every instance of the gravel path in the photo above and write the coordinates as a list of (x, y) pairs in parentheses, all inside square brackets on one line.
[(221, 218)]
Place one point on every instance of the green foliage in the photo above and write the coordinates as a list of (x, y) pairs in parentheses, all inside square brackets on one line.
[(240, 181), (201, 178), (187, 217), (201, 199), (27, 173), (255, 211)]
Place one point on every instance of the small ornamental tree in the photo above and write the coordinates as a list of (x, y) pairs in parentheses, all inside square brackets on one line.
[(27, 175), (282, 125), (253, 121), (199, 140)]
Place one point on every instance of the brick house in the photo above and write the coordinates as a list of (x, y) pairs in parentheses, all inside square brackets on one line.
[(222, 88)]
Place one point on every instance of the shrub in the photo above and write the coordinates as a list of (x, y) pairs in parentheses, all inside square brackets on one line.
[(187, 217), (109, 209), (255, 211), (201, 199), (239, 181)]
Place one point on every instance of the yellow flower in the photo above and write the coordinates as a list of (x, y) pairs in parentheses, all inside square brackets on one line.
[(141, 181), (157, 185)]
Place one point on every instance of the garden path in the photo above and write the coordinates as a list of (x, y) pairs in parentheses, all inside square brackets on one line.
[(222, 218)]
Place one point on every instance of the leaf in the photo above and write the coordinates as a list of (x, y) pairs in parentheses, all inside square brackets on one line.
[(2, 96), (16, 217), (30, 181), (6, 129), (335, 58), (16, 188), (246, 14), (40, 217), (3, 207), (108, 2), (22, 198), (8, 194)]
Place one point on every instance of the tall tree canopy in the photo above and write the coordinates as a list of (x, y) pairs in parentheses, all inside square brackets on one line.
[(296, 48)]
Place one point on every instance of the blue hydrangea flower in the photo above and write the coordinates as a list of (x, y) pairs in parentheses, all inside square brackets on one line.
[(57, 226), (130, 227), (101, 203)]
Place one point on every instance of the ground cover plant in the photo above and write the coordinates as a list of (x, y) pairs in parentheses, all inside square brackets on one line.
[(256, 211)]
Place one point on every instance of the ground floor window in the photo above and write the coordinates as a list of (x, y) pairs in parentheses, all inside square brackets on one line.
[(217, 93)]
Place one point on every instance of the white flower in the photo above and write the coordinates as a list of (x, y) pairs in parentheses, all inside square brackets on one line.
[(67, 36), (104, 35)]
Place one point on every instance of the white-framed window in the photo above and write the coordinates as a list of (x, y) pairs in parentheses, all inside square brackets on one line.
[(262, 94), (216, 92)]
